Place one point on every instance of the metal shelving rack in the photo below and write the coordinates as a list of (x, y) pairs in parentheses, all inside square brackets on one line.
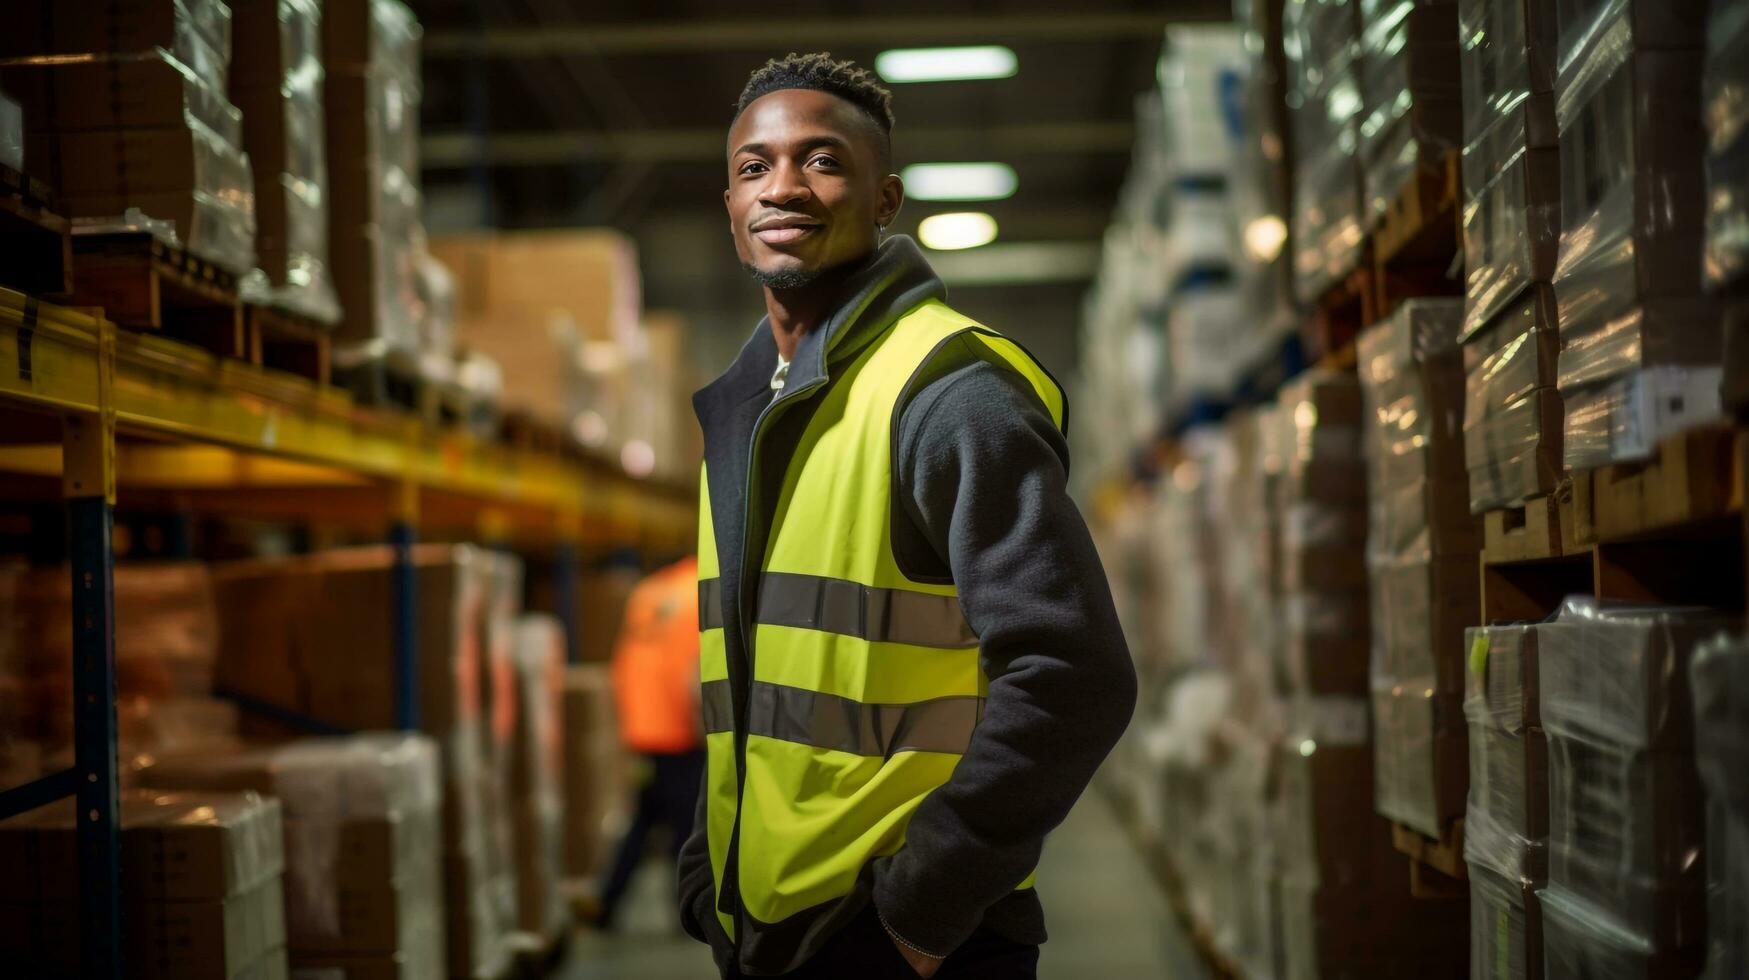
[(86, 408)]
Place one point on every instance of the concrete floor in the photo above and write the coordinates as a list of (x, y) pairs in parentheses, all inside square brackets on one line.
[(1107, 917)]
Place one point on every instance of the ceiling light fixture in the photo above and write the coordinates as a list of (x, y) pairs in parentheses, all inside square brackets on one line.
[(957, 230), (946, 64), (959, 181)]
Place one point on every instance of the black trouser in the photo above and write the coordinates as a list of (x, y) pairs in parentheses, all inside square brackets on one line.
[(862, 950), (668, 798)]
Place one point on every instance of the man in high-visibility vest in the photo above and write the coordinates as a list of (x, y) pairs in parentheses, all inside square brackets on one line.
[(910, 664), (655, 694)]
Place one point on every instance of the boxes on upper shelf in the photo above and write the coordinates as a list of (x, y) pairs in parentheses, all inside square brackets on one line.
[(1322, 44), (1513, 416), (1411, 98)]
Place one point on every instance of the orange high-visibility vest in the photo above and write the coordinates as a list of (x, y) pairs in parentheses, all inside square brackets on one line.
[(655, 663)]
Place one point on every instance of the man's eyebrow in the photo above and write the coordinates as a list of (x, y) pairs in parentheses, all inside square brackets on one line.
[(811, 143)]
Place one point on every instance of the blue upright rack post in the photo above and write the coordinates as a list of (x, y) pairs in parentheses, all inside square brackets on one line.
[(402, 535)]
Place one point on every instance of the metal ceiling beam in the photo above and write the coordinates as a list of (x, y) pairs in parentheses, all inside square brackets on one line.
[(777, 34), (700, 143)]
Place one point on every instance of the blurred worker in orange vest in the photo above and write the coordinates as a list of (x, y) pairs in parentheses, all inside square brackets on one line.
[(655, 686)]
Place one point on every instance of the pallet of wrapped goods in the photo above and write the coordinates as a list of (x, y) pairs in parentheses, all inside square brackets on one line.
[(164, 661), (304, 640), (1719, 677), (276, 80), (1411, 128), (537, 779), (1506, 818), (1421, 556), (362, 834), (1640, 343), (371, 96), (1327, 222), (36, 254), (596, 771), (201, 892), (1626, 817), (127, 117), (1727, 176)]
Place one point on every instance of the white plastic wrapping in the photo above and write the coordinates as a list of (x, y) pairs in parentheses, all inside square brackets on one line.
[(1506, 817), (1719, 677), (1505, 926), (1624, 419), (1512, 411), (1411, 97), (11, 133), (1625, 822), (1201, 74)]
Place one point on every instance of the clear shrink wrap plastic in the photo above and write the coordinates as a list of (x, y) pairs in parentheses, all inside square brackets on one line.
[(132, 124), (361, 818), (285, 118), (1511, 170), (11, 133), (373, 97), (1322, 45), (1512, 410), (1421, 546), (537, 777), (1506, 819), (1719, 678), (1625, 810), (1725, 107), (163, 658), (1411, 101), (1640, 345)]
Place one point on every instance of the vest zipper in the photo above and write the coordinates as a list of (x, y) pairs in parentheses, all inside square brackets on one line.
[(732, 862)]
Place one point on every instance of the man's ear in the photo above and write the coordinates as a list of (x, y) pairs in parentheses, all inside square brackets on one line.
[(892, 199)]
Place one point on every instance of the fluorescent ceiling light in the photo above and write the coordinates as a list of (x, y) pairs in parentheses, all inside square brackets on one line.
[(959, 181), (956, 230), (946, 64)]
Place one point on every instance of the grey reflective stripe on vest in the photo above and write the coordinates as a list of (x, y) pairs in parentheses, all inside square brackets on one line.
[(717, 704), (710, 604), (827, 721), (848, 608), (852, 609)]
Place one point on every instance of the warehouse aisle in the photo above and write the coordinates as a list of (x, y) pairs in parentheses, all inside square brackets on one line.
[(1107, 917)]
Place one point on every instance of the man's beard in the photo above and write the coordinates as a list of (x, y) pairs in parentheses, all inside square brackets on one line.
[(782, 279)]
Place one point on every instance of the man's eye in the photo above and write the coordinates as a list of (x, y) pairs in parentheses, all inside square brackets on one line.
[(751, 168), (825, 161)]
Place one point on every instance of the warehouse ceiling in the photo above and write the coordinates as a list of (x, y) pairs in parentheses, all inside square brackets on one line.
[(544, 113)]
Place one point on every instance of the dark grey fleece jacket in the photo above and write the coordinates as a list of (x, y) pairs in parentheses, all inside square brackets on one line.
[(980, 475)]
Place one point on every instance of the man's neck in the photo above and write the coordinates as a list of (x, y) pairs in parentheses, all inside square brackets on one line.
[(794, 313)]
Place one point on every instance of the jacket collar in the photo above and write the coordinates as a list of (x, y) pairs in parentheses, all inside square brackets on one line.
[(891, 283)]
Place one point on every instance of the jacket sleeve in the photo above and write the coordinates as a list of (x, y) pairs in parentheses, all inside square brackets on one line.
[(982, 470), (693, 874)]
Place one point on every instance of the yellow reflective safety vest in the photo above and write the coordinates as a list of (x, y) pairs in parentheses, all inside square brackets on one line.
[(866, 686)]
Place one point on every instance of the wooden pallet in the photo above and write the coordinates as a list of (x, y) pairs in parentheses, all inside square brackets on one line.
[(1542, 527), (1693, 477), (143, 283), (1419, 237), (36, 252), (288, 342), (1436, 866)]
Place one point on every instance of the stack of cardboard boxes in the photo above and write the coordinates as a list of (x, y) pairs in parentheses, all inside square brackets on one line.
[(166, 633), (1507, 817), (128, 117), (362, 893), (201, 894), (596, 771), (1626, 893), (1719, 678), (1511, 232), (1640, 344), (1412, 105), (307, 637), (370, 53), (1322, 45), (277, 83), (1421, 560), (537, 775), (1727, 174)]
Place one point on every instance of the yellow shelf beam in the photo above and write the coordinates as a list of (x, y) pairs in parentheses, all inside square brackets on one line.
[(231, 425)]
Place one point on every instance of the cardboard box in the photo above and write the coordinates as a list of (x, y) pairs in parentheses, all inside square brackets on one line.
[(1421, 758), (1506, 926), (358, 34), (116, 26), (150, 91), (596, 770)]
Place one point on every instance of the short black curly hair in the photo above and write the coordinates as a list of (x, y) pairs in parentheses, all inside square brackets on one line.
[(823, 73)]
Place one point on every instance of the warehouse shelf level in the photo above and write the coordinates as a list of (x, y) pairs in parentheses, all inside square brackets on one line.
[(92, 414)]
